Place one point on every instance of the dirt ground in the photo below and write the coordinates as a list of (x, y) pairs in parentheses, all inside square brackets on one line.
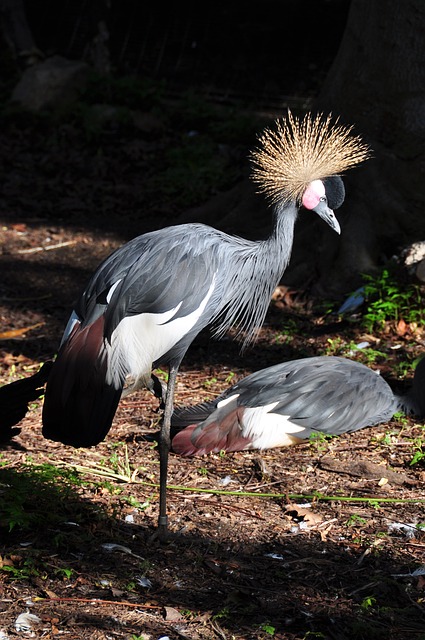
[(326, 540)]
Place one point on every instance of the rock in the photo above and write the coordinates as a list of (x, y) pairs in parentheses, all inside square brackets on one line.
[(420, 271), (49, 84), (413, 257)]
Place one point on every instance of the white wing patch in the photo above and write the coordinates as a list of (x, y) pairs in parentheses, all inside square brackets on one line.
[(267, 429), (141, 339), (226, 401)]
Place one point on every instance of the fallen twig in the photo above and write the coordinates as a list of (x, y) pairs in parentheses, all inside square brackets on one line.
[(99, 601), (48, 248)]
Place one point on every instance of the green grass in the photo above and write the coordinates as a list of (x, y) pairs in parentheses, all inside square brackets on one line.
[(35, 496)]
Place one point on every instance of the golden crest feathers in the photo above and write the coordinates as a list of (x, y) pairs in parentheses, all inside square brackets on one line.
[(298, 151)]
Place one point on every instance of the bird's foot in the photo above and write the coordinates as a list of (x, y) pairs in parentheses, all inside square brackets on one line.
[(162, 532)]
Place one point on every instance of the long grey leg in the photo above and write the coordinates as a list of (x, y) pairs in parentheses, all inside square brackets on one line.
[(164, 448)]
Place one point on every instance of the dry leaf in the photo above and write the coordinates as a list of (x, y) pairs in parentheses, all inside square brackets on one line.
[(171, 614), (298, 512), (17, 333), (283, 297), (6, 562), (51, 594), (402, 327)]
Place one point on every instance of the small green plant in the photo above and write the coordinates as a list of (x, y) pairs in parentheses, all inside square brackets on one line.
[(402, 369), (401, 417), (141, 506), (185, 612), (355, 520), (319, 441), (116, 466), (268, 628), (338, 347), (282, 339), (203, 471), (389, 300), (161, 374), (65, 572), (387, 439), (335, 346), (368, 602), (223, 614), (130, 586), (208, 383), (229, 378), (419, 455), (24, 571), (374, 504), (288, 330), (370, 356), (381, 534), (119, 459)]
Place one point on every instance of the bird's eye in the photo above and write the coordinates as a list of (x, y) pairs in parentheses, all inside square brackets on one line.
[(323, 199)]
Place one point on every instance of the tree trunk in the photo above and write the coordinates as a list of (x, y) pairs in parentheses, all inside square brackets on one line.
[(17, 33), (377, 81)]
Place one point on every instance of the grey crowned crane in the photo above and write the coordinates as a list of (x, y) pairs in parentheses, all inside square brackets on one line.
[(285, 404), (146, 302)]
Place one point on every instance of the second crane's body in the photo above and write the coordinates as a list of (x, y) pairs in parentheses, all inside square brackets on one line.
[(287, 403), (284, 405)]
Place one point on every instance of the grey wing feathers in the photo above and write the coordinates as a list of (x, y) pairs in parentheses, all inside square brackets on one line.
[(325, 393), (151, 274), (193, 414)]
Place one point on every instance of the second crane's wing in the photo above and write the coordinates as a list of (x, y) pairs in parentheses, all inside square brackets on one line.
[(284, 404), (327, 394)]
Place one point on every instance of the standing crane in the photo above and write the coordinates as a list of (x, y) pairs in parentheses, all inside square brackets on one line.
[(147, 301), (285, 404)]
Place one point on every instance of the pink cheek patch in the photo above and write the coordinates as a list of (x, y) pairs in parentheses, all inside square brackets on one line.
[(313, 193)]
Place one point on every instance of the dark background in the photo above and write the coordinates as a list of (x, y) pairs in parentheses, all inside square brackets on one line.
[(230, 50)]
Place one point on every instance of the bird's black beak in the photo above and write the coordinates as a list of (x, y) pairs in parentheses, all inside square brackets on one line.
[(327, 215)]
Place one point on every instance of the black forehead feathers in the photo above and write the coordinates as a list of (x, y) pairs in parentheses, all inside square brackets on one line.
[(335, 191)]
